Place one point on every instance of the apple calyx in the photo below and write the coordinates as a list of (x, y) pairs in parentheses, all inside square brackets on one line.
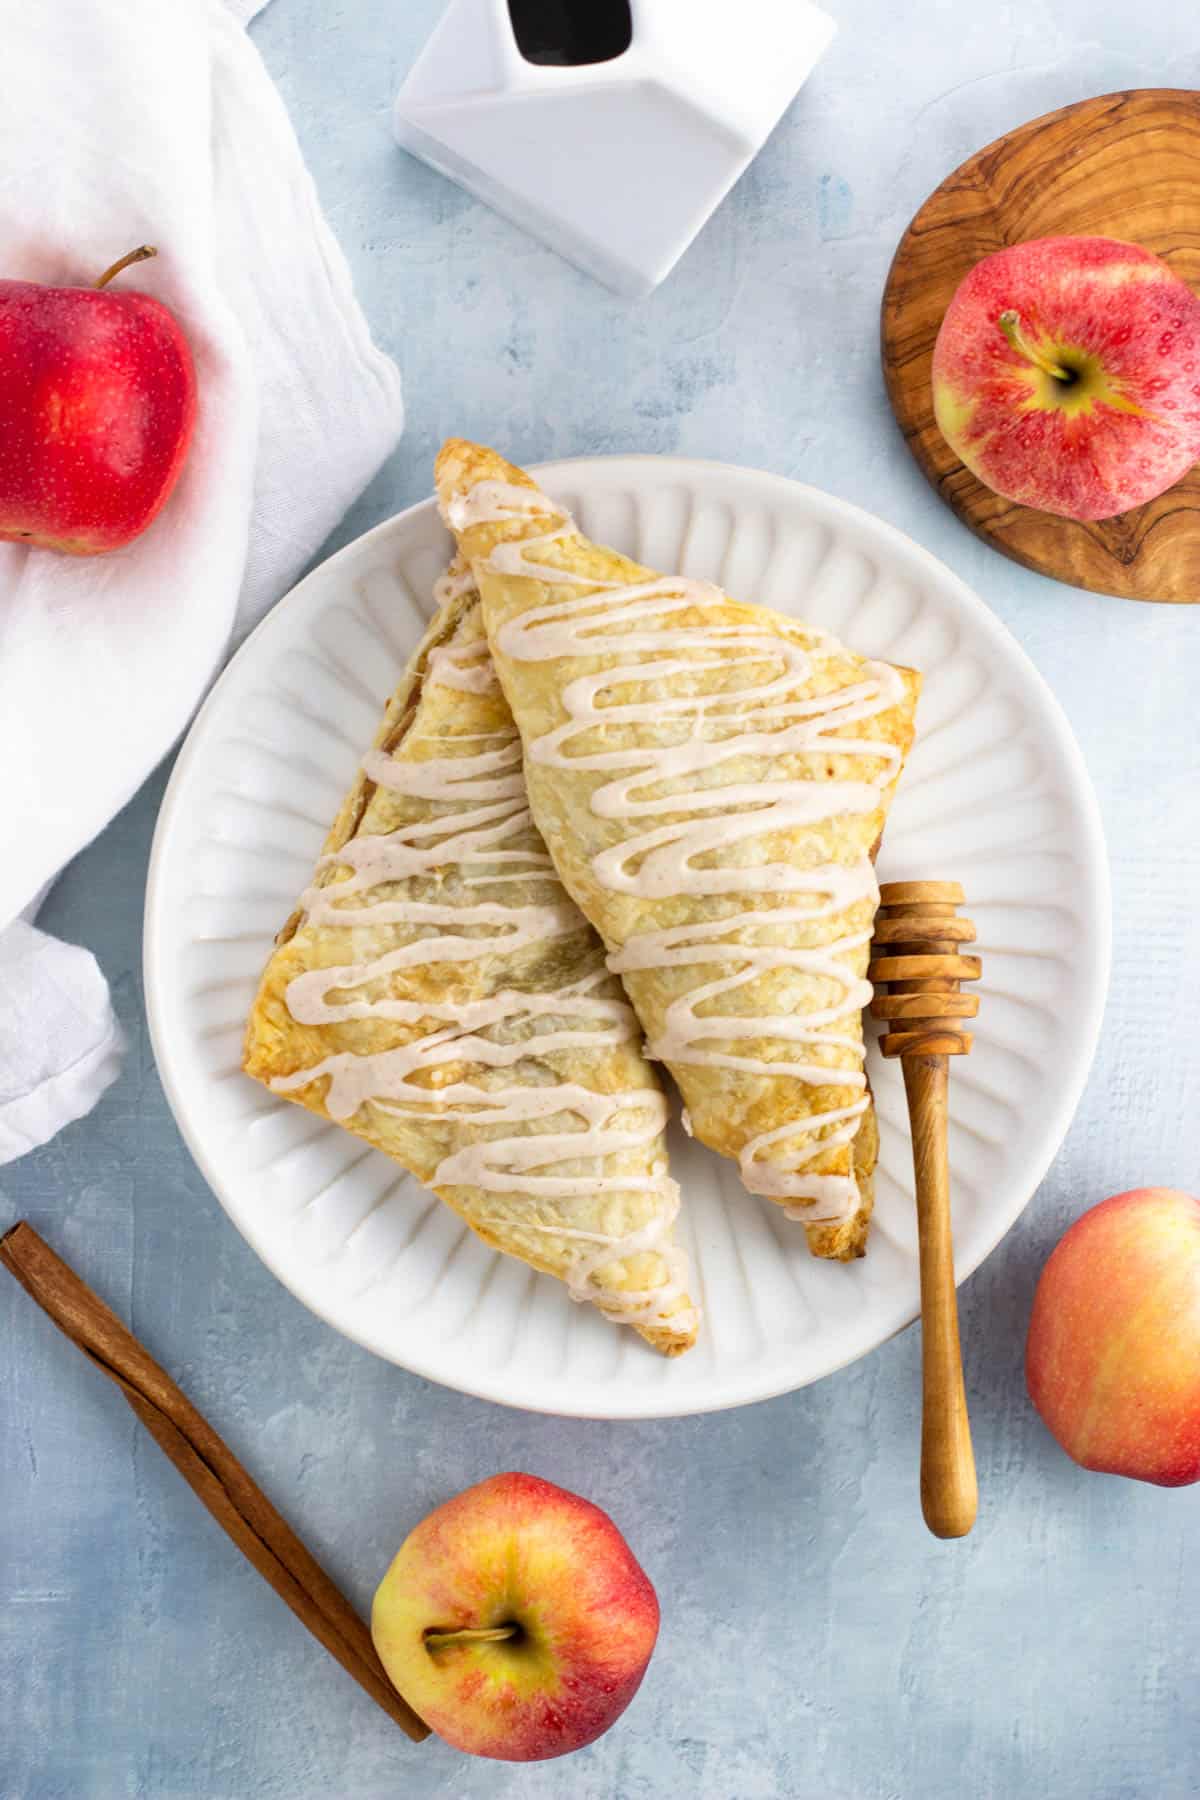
[(1010, 324), (470, 1634), (142, 254)]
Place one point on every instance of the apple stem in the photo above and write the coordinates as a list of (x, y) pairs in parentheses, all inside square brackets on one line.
[(479, 1634), (141, 254), (1010, 325)]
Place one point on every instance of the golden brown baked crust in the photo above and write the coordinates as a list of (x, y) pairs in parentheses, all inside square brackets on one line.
[(737, 1105), (423, 1054)]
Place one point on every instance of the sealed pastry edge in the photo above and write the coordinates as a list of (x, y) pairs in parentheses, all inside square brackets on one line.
[(399, 713)]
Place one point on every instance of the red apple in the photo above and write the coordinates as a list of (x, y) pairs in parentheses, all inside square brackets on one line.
[(516, 1620), (98, 401), (1113, 1357), (1066, 375)]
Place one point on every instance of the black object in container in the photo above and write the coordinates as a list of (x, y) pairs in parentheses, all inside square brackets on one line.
[(571, 33)]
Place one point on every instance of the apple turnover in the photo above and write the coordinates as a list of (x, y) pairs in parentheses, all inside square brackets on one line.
[(438, 993), (712, 779)]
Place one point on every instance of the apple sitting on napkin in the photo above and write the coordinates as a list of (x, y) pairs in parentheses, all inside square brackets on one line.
[(98, 399)]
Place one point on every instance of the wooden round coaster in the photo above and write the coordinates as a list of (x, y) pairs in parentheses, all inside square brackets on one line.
[(1125, 166)]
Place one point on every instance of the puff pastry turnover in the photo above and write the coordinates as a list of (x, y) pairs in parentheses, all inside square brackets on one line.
[(712, 779), (437, 993)]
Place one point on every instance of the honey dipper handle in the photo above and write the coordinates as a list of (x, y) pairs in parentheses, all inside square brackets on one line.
[(949, 1492)]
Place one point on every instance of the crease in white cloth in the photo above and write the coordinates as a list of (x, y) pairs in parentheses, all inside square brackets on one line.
[(168, 130)]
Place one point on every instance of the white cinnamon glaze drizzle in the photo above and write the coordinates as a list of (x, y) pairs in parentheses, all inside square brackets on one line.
[(473, 841), (679, 780)]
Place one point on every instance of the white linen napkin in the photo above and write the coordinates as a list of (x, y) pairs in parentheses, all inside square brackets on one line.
[(131, 121)]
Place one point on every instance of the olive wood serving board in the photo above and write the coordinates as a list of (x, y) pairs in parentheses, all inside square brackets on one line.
[(1123, 165)]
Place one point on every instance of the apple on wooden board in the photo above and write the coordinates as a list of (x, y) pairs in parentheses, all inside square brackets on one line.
[(516, 1620), (1066, 375), (98, 402), (1113, 1355)]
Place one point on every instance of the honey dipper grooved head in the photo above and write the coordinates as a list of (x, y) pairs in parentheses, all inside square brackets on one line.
[(917, 965)]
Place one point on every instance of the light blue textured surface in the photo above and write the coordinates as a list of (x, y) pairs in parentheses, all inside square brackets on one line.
[(816, 1644)]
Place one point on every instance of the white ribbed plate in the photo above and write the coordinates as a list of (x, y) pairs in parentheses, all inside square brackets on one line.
[(995, 796)]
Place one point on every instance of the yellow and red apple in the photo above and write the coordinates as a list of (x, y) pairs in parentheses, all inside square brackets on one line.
[(1066, 375), (1113, 1355), (98, 401), (516, 1620)]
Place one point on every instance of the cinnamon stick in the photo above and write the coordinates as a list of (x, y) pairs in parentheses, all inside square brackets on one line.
[(207, 1464)]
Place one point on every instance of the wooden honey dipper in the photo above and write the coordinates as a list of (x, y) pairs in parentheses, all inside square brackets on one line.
[(916, 958)]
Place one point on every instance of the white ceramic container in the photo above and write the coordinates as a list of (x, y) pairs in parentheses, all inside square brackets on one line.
[(616, 163)]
